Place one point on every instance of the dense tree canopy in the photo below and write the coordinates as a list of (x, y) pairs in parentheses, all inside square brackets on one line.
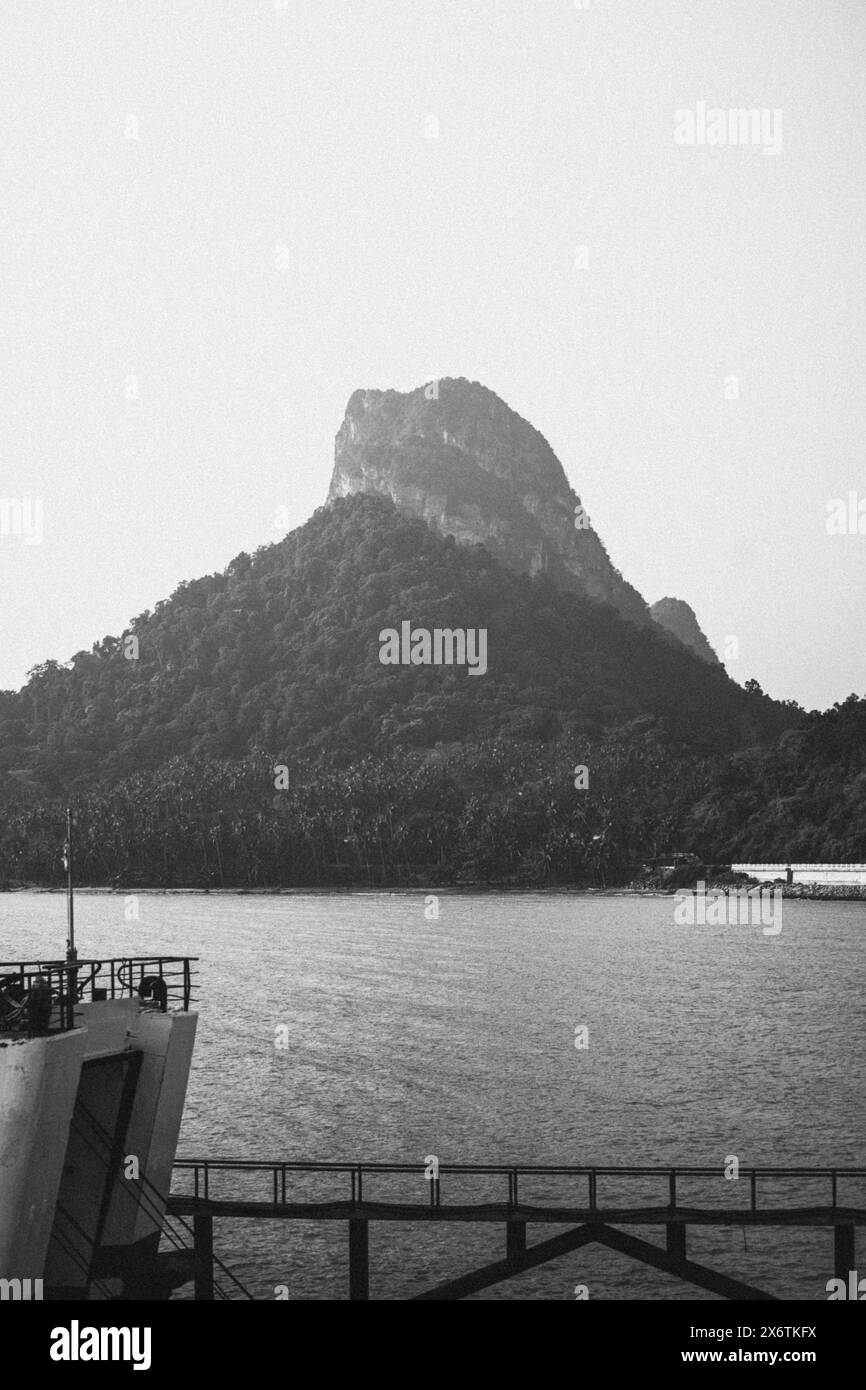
[(166, 738)]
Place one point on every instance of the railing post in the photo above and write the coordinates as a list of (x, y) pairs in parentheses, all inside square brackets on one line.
[(66, 1009), (203, 1247), (72, 985), (676, 1239), (675, 1231), (359, 1258), (843, 1251), (515, 1239)]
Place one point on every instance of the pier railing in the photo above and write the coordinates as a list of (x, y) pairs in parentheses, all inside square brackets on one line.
[(596, 1202), (44, 996), (589, 1189)]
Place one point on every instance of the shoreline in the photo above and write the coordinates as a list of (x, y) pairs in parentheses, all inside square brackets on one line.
[(343, 890), (819, 892)]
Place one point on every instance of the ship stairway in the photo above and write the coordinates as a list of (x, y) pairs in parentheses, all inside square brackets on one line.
[(151, 1275)]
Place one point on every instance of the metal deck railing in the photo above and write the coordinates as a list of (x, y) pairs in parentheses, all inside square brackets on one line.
[(38, 997), (587, 1192), (594, 1201)]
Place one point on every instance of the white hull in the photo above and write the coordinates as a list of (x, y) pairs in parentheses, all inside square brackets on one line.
[(81, 1112)]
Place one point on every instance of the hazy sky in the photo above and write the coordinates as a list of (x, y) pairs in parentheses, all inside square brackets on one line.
[(220, 218)]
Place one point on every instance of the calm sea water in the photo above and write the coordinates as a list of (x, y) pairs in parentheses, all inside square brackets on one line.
[(456, 1037)]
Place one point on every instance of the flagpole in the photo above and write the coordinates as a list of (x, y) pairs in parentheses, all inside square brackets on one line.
[(71, 953), (70, 994)]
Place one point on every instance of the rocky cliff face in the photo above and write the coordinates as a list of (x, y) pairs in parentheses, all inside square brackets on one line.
[(456, 455), (677, 617)]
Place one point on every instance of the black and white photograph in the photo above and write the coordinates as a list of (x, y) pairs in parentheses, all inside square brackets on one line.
[(433, 668)]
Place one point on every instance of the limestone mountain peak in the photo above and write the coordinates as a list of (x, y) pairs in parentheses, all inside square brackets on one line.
[(454, 453)]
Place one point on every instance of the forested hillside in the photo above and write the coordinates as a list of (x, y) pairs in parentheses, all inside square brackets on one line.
[(281, 653), (169, 745), (498, 811), (803, 799)]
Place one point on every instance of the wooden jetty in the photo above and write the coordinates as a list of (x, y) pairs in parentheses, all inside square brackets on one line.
[(595, 1202)]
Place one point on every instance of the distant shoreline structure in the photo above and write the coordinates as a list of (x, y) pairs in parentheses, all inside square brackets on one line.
[(841, 875)]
